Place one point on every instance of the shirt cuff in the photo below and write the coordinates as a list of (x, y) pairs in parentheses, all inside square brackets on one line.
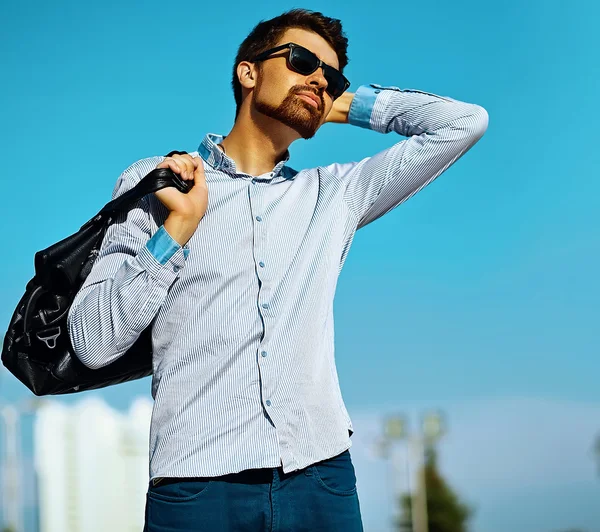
[(362, 105), (164, 274), (366, 107), (163, 247)]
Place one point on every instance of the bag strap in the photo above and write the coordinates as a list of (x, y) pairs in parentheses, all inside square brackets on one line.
[(157, 179)]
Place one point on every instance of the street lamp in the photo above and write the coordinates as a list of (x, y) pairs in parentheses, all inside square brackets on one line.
[(433, 427), (395, 427)]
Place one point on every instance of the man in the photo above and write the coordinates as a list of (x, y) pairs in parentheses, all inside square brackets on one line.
[(237, 279)]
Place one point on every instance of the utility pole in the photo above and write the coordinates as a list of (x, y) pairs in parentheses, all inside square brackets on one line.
[(395, 430), (419, 490), (386, 447)]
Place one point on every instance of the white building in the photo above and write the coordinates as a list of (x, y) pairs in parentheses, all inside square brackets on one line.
[(92, 465)]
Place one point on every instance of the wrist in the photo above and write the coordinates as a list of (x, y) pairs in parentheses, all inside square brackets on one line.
[(341, 108), (181, 227)]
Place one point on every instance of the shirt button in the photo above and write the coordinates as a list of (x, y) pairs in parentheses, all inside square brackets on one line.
[(265, 305), (268, 403), (264, 354), (258, 219), (261, 264), (176, 268)]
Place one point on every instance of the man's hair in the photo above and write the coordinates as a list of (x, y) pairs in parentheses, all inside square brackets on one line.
[(267, 32)]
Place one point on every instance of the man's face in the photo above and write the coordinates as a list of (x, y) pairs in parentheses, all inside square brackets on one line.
[(278, 91)]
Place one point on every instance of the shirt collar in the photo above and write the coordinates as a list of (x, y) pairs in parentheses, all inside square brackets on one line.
[(215, 157)]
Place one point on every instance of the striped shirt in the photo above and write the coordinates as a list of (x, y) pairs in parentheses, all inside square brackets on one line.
[(242, 315)]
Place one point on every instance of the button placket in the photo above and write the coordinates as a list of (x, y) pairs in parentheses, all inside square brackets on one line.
[(260, 233), (257, 203), (261, 264)]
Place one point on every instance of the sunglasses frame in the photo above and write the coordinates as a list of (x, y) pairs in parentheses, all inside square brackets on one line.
[(320, 64)]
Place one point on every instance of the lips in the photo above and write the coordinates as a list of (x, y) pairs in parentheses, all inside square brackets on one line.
[(311, 98)]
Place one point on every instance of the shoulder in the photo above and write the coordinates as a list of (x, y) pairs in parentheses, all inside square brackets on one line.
[(341, 172), (134, 173)]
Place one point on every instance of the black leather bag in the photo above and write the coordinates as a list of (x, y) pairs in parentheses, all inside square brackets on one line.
[(37, 348)]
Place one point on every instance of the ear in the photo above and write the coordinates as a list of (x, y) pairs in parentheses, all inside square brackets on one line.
[(247, 73)]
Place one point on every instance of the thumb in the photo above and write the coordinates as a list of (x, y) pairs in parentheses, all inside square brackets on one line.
[(199, 176), (200, 188)]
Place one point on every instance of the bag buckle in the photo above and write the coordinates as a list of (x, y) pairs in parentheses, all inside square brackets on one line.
[(50, 340)]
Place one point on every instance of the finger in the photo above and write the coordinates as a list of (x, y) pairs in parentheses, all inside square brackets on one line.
[(200, 187), (192, 167), (170, 163), (182, 156), (186, 164), (180, 162)]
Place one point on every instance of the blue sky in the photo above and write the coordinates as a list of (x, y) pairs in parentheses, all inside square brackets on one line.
[(480, 290)]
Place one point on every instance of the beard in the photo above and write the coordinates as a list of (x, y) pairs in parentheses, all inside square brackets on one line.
[(294, 112)]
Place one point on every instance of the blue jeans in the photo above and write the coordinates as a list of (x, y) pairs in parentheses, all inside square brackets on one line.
[(320, 498)]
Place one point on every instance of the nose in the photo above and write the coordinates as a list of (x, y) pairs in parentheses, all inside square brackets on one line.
[(317, 80)]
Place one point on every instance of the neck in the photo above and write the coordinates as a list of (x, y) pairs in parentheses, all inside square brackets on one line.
[(257, 143)]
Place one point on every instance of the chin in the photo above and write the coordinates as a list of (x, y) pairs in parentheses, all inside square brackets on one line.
[(294, 113)]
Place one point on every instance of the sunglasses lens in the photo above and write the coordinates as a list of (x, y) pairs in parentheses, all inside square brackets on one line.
[(304, 61), (336, 83)]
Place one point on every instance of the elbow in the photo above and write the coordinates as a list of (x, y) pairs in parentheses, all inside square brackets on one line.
[(87, 361), (479, 122), (82, 353), (470, 124)]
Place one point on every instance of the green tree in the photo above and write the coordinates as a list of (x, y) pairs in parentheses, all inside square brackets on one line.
[(445, 512)]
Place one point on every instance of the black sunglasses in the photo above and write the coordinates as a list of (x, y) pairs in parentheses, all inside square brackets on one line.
[(305, 62)]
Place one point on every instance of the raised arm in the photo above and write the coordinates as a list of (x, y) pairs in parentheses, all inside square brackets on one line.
[(439, 129)]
